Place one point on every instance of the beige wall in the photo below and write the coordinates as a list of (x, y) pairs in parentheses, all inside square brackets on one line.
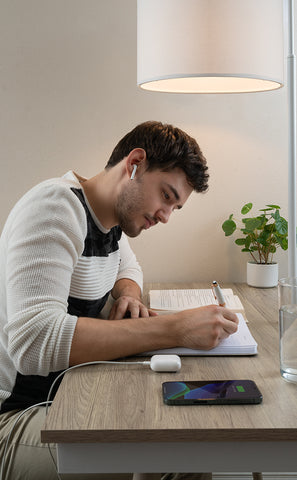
[(68, 93)]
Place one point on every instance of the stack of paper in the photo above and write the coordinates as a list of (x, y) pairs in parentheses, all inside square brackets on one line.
[(177, 300)]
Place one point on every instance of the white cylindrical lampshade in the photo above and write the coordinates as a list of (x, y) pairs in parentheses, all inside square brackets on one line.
[(210, 46)]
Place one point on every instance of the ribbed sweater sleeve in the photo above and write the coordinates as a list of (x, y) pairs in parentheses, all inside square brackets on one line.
[(44, 237)]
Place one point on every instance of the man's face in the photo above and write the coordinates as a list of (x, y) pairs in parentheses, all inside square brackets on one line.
[(151, 198)]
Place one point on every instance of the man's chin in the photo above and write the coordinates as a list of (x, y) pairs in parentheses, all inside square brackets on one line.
[(132, 233)]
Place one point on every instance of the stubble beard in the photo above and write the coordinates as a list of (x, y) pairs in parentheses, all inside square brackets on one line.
[(129, 204)]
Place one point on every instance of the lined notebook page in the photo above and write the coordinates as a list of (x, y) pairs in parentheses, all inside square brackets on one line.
[(176, 300)]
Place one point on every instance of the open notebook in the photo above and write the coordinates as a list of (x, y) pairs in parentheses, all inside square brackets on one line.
[(239, 343)]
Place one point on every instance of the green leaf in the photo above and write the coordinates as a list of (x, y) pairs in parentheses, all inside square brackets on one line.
[(282, 241), (252, 224), (248, 241), (246, 208), (229, 227), (276, 215), (265, 209), (281, 226), (269, 208), (270, 227), (240, 241), (262, 221), (284, 244), (274, 206)]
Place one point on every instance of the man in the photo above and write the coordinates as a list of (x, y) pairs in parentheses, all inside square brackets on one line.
[(64, 249)]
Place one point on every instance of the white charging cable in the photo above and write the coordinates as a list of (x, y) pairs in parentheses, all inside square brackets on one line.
[(158, 363), (85, 365)]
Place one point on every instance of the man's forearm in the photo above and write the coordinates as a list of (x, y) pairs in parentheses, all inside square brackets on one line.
[(199, 328), (106, 340)]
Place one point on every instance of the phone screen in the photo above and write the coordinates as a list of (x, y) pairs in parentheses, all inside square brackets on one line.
[(211, 392)]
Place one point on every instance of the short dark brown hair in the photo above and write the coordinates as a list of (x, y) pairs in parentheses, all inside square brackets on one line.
[(167, 147)]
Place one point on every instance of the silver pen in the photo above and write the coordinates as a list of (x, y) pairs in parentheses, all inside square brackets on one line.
[(218, 294)]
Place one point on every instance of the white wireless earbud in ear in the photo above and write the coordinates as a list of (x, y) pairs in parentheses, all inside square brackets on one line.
[(133, 172), (165, 363)]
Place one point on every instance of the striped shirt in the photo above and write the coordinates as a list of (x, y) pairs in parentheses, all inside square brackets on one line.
[(57, 262)]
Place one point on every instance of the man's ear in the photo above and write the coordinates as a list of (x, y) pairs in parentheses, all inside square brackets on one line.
[(135, 162)]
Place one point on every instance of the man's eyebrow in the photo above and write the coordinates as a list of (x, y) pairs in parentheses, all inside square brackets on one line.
[(175, 193)]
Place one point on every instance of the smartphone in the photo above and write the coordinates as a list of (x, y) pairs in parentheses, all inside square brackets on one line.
[(211, 392)]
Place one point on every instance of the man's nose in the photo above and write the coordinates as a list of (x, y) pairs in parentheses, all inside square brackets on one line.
[(163, 214)]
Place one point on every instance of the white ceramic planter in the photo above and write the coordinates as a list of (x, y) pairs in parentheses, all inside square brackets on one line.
[(262, 275)]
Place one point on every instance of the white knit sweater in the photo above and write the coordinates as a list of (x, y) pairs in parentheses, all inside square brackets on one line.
[(40, 264)]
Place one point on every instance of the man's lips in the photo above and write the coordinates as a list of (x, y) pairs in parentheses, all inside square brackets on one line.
[(149, 222)]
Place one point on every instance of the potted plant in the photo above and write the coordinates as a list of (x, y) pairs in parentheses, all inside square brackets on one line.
[(261, 236)]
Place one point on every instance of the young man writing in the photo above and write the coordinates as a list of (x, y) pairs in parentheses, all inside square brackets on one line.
[(64, 249)]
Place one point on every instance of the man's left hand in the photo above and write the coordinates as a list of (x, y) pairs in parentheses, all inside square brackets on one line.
[(126, 306)]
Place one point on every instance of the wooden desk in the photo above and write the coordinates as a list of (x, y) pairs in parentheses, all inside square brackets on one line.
[(106, 412)]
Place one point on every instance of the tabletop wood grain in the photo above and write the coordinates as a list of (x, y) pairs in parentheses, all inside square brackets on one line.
[(123, 403)]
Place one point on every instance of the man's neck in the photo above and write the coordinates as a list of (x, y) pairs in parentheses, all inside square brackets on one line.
[(101, 194)]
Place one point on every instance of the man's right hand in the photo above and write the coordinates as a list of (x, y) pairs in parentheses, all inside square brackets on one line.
[(204, 327)]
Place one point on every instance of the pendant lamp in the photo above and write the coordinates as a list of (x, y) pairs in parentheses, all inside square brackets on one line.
[(210, 46)]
